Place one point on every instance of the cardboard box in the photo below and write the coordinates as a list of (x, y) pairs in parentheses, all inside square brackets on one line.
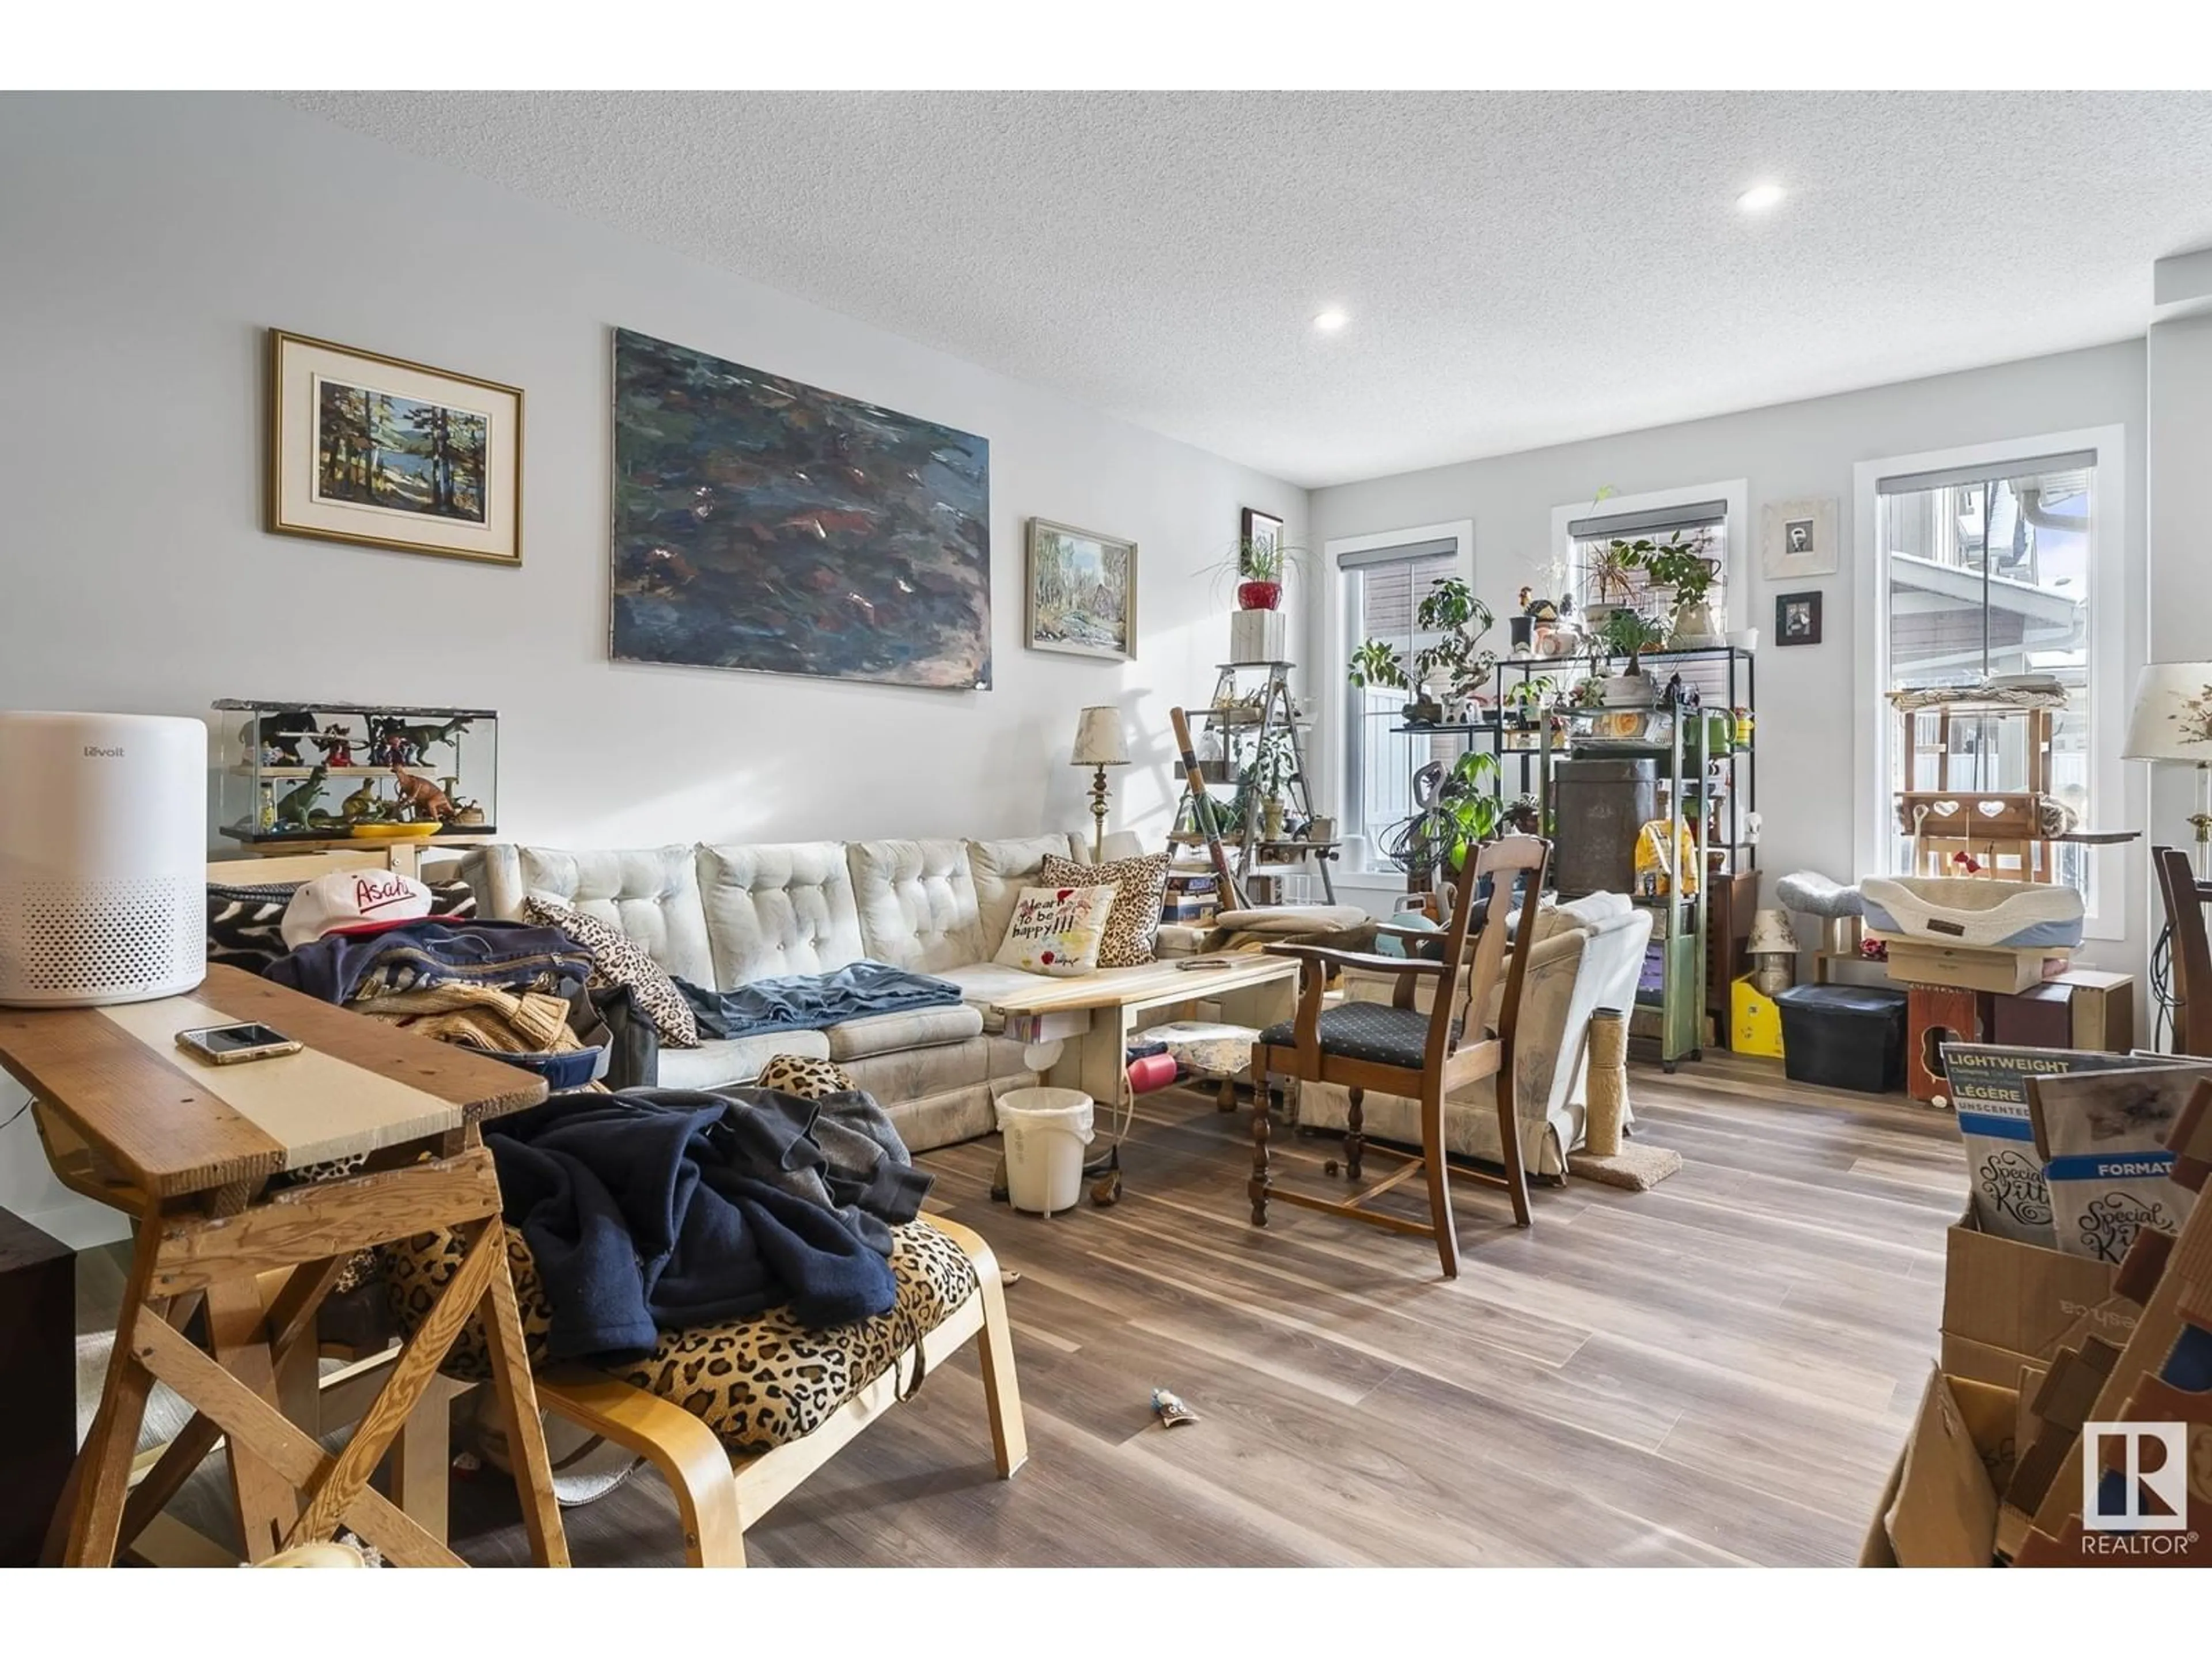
[(2007, 1305), (1915, 962), (1940, 1508)]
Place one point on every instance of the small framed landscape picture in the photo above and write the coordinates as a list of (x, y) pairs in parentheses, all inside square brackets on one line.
[(1082, 593), (1262, 530), (377, 450), (1797, 618), (1798, 540)]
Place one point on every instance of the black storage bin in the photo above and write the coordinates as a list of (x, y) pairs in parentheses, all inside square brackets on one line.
[(1598, 809), (1844, 1036)]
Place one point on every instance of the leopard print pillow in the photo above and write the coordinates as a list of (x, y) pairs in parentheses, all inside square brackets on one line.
[(618, 959), (809, 1079), (1139, 885)]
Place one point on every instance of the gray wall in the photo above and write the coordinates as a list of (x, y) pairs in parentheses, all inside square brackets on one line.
[(150, 239), (1806, 785)]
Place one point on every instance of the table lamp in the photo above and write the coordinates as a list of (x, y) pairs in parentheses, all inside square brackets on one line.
[(1099, 743), (2171, 720)]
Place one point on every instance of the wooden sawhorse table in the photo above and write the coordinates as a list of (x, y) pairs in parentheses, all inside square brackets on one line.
[(188, 1149)]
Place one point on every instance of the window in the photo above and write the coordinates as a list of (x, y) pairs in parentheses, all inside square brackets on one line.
[(1590, 538), (1381, 588), (1987, 571)]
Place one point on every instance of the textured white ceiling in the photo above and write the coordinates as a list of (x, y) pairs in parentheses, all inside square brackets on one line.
[(1520, 269)]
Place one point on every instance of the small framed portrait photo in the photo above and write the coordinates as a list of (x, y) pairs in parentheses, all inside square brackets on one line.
[(1797, 618)]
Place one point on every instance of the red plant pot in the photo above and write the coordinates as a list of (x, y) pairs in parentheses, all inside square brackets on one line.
[(1259, 596)]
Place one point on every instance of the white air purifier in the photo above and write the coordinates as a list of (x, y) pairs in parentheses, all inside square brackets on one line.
[(103, 860)]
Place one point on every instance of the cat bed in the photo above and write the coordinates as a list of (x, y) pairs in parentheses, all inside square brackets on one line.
[(1975, 914), (1812, 893)]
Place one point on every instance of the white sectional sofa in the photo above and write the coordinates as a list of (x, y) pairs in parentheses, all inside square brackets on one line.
[(1588, 956), (723, 916)]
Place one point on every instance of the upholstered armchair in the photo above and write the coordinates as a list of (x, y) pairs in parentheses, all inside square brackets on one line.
[(1588, 955)]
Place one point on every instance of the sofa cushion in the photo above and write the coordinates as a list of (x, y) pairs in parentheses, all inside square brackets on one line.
[(720, 1061), (777, 910), (650, 893), (1138, 884), (917, 903), (618, 959), (1059, 930), (1000, 870), (918, 1028)]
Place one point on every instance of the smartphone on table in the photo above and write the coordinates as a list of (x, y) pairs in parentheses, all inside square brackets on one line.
[(227, 1045)]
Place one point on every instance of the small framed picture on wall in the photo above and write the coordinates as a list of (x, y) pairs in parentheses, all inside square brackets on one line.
[(1261, 531), (1797, 618), (1798, 540)]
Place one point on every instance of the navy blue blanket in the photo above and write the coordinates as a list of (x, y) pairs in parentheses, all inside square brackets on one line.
[(813, 1002), (645, 1212)]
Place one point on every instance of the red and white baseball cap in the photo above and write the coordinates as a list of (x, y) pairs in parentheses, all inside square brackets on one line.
[(353, 901)]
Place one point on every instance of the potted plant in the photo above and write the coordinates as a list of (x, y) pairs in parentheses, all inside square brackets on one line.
[(1260, 785), (1526, 700), (1679, 563), (1259, 573), (1629, 633), (1451, 670), (1459, 812), (1609, 574)]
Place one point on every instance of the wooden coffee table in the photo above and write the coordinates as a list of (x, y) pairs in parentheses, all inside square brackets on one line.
[(1078, 1029), (189, 1150)]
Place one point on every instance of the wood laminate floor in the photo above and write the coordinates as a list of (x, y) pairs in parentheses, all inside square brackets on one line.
[(1717, 1371)]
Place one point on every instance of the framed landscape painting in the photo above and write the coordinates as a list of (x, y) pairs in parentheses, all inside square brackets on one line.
[(385, 453), (1082, 592), (765, 524)]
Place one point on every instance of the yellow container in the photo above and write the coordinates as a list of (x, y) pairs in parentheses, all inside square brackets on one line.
[(1754, 1023)]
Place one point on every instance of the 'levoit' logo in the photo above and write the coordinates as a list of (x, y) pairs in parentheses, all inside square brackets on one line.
[(94, 751), (2147, 1493), (374, 893)]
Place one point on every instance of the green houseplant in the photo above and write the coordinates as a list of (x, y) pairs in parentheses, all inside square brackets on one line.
[(1459, 812), (1455, 668), (1629, 633), (1681, 565), (1260, 784)]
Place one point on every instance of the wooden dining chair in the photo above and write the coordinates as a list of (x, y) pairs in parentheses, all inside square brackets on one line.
[(1402, 1049), (2192, 955)]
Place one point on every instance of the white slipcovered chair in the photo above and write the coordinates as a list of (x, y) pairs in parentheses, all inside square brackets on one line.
[(1589, 954)]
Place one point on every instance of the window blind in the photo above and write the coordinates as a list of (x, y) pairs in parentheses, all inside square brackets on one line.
[(1653, 521), (1952, 478), (1440, 546)]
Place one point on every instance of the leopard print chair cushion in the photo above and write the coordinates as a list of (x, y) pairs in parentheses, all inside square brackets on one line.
[(759, 1383)]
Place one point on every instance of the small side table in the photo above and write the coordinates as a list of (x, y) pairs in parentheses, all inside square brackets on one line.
[(188, 1150)]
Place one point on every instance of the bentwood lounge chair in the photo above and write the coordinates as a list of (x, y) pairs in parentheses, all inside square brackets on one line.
[(1399, 1048)]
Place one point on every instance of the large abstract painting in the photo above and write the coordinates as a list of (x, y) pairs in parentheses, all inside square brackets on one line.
[(764, 525)]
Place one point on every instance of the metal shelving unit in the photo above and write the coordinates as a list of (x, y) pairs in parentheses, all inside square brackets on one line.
[(1726, 679)]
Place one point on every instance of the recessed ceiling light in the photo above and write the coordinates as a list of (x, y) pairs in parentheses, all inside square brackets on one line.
[(1760, 197), (1330, 320)]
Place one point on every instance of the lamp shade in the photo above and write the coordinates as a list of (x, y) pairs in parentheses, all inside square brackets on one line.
[(1771, 931), (2171, 716), (1098, 739)]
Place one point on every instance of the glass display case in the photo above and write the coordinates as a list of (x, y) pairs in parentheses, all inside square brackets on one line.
[(297, 772)]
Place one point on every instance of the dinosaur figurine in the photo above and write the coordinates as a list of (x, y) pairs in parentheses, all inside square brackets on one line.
[(298, 806), (422, 797), (362, 806), (410, 746)]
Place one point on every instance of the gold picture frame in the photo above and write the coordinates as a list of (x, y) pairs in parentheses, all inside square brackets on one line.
[(381, 451)]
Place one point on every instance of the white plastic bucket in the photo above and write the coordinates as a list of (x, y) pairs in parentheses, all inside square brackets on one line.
[(1045, 1131)]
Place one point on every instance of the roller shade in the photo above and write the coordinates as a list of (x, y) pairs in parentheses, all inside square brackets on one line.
[(1438, 546), (1954, 478), (1623, 526)]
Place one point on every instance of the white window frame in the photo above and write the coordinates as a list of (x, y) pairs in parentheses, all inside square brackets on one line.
[(1875, 723), (1736, 492), (1330, 701)]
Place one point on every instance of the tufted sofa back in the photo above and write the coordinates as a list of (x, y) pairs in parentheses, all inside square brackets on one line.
[(778, 909), (726, 915)]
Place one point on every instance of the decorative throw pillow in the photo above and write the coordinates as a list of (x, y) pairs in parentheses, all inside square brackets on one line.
[(1057, 930), (244, 922), (1139, 885), (618, 959)]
